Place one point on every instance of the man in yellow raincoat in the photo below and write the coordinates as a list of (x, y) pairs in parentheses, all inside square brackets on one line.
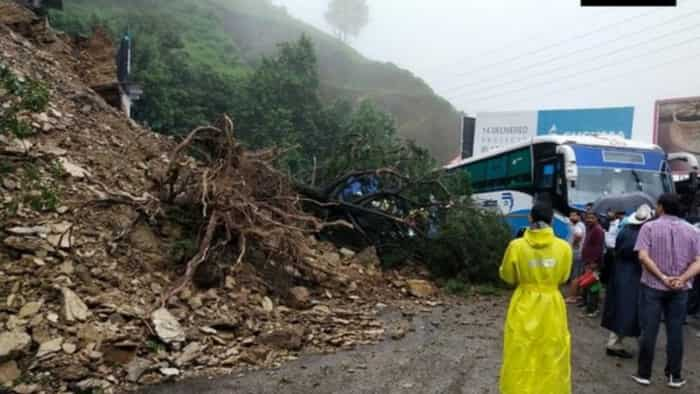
[(537, 343)]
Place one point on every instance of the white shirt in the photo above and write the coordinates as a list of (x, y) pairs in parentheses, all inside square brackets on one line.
[(611, 234), (574, 230)]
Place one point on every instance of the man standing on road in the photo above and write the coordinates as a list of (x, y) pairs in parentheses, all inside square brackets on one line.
[(669, 250), (537, 342)]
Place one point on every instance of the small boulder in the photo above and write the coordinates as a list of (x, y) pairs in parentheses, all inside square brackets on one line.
[(49, 347), (420, 288), (347, 253), (170, 371), (9, 372), (136, 368), (73, 307), (72, 169), (287, 338), (299, 297), (30, 309), (13, 344), (167, 327), (25, 244), (69, 348), (367, 257), (189, 353)]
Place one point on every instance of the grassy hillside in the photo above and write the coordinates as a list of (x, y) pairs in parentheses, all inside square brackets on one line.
[(229, 36)]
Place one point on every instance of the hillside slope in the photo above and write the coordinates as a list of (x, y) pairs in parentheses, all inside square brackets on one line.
[(228, 36), (82, 268)]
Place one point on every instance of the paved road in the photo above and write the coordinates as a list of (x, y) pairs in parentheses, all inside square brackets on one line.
[(455, 349)]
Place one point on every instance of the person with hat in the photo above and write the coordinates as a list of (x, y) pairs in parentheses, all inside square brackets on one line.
[(620, 312)]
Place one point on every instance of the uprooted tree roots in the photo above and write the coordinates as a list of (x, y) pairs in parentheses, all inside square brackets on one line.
[(238, 202)]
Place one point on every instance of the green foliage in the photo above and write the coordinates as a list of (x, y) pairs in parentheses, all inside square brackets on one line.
[(19, 95), (46, 200), (348, 17), (194, 59), (469, 246), (183, 57), (456, 287)]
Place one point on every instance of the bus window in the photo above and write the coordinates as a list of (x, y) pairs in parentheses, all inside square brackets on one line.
[(547, 176)]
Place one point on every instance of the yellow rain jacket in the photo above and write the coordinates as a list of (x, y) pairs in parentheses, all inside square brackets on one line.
[(537, 343)]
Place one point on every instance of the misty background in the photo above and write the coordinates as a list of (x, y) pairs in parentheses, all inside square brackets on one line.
[(502, 55)]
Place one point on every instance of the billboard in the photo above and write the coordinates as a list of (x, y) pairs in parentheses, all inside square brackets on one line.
[(610, 121), (499, 129), (677, 125)]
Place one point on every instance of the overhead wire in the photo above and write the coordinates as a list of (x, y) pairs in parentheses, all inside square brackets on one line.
[(578, 73), (558, 43), (581, 50), (510, 45), (627, 73)]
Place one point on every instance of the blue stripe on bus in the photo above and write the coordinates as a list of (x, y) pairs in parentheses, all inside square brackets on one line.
[(593, 157)]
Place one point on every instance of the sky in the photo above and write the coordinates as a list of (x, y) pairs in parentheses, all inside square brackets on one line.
[(508, 55)]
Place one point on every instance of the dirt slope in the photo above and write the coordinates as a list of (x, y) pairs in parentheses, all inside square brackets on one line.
[(82, 273)]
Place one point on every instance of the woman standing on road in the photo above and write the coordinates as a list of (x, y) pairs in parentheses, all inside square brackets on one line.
[(537, 343), (620, 313)]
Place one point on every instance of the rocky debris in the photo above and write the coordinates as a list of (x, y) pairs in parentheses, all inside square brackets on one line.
[(288, 339), (26, 388), (170, 371), (167, 327), (299, 297), (25, 244), (92, 385), (72, 169), (267, 304), (9, 372), (346, 253), (13, 344), (73, 307), (136, 368), (30, 309), (69, 348), (49, 347), (421, 288), (189, 353), (367, 257)]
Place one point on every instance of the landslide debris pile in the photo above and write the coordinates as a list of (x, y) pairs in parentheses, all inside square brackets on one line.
[(124, 261)]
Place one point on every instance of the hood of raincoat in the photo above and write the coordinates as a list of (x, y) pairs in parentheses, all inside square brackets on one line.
[(540, 238)]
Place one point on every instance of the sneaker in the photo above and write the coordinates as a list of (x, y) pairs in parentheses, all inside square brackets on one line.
[(676, 383), (642, 381), (621, 353)]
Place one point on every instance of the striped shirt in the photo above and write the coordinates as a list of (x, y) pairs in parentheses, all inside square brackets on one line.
[(672, 243)]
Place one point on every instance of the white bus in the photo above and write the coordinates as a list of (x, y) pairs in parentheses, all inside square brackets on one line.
[(570, 171)]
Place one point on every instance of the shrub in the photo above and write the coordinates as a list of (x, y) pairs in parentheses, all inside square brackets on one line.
[(469, 245)]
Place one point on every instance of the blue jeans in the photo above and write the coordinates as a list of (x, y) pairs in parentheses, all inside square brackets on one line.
[(652, 303)]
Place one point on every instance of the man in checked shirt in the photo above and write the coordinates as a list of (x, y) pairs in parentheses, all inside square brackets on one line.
[(669, 249)]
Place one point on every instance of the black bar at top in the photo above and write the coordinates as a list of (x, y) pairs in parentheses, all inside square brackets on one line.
[(628, 3)]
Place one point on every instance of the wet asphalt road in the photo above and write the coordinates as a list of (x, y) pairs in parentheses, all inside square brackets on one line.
[(454, 349)]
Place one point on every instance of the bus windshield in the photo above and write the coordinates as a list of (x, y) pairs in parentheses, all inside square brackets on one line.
[(593, 183)]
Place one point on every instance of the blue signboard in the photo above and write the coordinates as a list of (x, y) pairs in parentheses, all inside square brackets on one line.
[(611, 121)]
